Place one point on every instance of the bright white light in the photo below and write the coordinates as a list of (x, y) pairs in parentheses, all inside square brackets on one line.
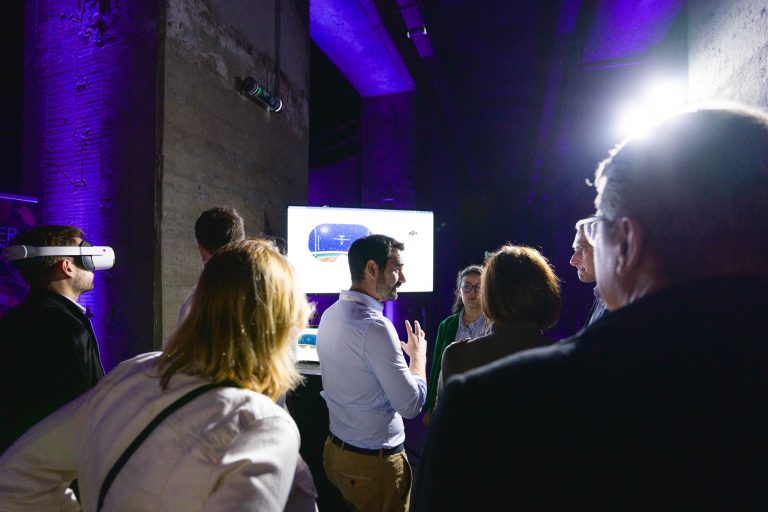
[(662, 98)]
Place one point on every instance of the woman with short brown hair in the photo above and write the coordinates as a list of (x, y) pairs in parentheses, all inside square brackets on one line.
[(520, 296)]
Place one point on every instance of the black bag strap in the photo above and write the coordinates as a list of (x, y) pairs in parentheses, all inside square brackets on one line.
[(148, 430)]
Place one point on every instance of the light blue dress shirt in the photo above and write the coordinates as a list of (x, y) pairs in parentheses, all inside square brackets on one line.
[(366, 381)]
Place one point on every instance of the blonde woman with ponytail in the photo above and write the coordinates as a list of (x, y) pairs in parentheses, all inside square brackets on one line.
[(228, 448)]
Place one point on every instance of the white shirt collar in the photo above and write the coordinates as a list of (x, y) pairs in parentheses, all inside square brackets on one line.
[(362, 298), (75, 303)]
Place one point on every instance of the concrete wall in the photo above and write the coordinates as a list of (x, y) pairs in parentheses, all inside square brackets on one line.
[(90, 130), (220, 148), (728, 50)]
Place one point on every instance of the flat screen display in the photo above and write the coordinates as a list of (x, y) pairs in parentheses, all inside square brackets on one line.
[(319, 239), (307, 361), (306, 346)]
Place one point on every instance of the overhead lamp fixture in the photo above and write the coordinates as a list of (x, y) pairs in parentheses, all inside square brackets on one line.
[(416, 31), (257, 92)]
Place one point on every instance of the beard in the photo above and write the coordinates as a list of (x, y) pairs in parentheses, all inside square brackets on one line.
[(83, 282), (386, 292)]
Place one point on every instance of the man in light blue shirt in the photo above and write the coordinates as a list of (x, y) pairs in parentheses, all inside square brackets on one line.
[(367, 383)]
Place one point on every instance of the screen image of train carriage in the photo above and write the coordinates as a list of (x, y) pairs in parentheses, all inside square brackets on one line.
[(329, 241)]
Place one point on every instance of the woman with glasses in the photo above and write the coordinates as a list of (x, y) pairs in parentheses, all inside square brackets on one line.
[(521, 298), (229, 447), (467, 321)]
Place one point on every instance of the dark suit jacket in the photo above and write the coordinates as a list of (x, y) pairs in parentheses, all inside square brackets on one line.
[(597, 310), (504, 339), (48, 356), (660, 405)]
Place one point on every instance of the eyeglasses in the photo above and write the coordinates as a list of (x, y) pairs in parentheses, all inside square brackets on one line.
[(589, 225), (466, 287)]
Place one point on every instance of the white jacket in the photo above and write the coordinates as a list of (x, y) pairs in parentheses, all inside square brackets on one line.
[(228, 449)]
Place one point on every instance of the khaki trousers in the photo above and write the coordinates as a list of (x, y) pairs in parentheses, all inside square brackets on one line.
[(369, 483)]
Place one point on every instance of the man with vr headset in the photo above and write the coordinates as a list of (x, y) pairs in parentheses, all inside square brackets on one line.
[(48, 351)]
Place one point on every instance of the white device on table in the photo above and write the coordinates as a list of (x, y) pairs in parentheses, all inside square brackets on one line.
[(307, 361)]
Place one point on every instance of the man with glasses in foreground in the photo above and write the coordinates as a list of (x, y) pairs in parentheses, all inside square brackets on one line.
[(48, 351), (663, 403)]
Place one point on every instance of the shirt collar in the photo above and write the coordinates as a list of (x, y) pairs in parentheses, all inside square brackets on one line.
[(75, 303), (361, 298), (479, 320)]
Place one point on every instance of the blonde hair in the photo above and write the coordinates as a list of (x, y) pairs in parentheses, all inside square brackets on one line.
[(246, 311)]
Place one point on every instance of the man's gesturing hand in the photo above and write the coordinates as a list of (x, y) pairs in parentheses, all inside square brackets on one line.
[(416, 348)]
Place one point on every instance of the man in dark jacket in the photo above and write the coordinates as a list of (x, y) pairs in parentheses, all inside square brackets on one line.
[(662, 404), (48, 351)]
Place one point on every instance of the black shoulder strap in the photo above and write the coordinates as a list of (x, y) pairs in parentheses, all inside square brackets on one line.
[(148, 430)]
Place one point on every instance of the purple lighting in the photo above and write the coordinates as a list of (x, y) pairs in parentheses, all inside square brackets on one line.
[(353, 36), (417, 31), (69, 74), (89, 148), (624, 29)]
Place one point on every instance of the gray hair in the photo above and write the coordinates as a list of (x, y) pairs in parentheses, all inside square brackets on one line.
[(698, 184)]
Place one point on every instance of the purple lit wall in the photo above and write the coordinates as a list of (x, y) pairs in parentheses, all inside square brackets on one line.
[(625, 29), (387, 133), (353, 36), (89, 148), (336, 184), (418, 32)]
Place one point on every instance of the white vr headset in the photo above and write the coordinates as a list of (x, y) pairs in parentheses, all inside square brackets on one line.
[(93, 257)]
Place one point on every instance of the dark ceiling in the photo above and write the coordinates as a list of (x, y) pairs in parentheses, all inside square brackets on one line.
[(495, 59), (515, 110)]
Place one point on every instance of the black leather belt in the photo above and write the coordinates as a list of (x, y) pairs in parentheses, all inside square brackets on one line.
[(365, 451)]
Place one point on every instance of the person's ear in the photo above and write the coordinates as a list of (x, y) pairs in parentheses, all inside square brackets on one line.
[(66, 267), (630, 239), (204, 254), (372, 269)]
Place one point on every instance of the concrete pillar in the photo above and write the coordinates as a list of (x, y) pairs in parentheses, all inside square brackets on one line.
[(133, 124), (219, 147), (90, 137)]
